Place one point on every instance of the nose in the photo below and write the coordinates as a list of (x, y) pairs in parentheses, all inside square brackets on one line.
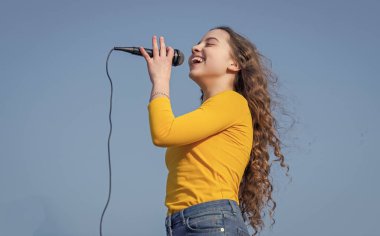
[(195, 48)]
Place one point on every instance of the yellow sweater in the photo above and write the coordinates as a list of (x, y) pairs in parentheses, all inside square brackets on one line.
[(207, 148)]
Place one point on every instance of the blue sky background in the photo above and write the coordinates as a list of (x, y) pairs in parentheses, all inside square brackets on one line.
[(55, 101)]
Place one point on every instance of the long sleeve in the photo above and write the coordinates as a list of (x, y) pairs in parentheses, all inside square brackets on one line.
[(214, 115)]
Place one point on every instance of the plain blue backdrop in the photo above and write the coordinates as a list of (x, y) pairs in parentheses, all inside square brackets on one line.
[(55, 101)]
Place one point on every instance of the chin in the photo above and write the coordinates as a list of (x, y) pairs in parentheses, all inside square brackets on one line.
[(196, 78), (193, 74)]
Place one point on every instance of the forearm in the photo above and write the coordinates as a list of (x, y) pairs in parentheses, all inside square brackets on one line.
[(163, 87)]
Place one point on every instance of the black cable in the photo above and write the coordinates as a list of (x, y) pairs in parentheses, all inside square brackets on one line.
[(109, 159)]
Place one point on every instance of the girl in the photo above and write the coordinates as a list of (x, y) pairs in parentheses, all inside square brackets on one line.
[(217, 155)]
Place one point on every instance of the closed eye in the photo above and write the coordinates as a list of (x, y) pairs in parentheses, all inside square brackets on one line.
[(207, 44)]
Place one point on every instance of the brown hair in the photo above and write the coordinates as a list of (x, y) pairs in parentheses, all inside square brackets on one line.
[(252, 82)]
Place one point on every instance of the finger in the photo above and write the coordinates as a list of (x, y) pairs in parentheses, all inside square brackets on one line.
[(162, 47), (155, 47), (170, 52), (144, 53)]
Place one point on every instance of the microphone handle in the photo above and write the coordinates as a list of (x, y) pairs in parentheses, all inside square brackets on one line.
[(134, 50), (177, 58)]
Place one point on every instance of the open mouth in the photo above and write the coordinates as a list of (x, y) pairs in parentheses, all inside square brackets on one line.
[(197, 60)]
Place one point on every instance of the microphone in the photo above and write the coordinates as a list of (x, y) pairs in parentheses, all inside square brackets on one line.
[(177, 59)]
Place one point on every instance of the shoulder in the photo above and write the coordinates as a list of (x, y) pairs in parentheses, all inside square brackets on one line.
[(238, 97)]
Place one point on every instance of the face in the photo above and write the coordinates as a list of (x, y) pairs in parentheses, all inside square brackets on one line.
[(215, 50)]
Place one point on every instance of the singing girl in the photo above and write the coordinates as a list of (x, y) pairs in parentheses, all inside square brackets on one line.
[(216, 155)]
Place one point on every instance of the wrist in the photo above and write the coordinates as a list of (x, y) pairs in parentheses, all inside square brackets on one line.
[(159, 90)]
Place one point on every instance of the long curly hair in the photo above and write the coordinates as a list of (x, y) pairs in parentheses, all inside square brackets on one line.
[(255, 81)]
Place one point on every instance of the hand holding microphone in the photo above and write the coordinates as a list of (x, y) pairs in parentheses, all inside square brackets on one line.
[(159, 60), (160, 65)]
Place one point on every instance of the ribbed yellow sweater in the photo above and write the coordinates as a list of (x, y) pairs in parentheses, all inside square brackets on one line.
[(207, 148)]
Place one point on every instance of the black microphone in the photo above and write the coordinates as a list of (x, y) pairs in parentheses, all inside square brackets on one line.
[(177, 59)]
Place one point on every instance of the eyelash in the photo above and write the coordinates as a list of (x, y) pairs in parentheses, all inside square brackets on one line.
[(206, 46)]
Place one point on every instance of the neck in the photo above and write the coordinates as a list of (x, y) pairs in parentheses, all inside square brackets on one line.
[(209, 92)]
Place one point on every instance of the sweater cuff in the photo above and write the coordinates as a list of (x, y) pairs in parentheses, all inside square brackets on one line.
[(156, 100)]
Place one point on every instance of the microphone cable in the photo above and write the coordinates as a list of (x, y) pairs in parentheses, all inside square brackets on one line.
[(178, 59), (109, 159)]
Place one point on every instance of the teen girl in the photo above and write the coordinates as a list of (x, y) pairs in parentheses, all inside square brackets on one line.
[(217, 155)]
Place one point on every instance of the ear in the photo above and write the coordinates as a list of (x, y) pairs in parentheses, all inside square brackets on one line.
[(234, 66)]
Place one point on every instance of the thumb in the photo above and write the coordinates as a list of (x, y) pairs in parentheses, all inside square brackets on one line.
[(144, 53)]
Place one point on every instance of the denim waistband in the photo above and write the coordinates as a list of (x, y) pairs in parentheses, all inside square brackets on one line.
[(221, 204)]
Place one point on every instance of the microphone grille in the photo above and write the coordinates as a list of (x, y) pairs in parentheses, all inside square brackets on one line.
[(178, 58)]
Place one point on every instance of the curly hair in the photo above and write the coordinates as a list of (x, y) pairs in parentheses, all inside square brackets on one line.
[(253, 82)]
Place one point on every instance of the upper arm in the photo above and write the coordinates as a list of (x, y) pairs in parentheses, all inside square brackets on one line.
[(213, 116)]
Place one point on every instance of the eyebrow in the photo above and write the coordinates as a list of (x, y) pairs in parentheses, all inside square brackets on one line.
[(208, 39)]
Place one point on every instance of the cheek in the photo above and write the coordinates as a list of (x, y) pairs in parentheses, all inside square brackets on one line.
[(216, 64)]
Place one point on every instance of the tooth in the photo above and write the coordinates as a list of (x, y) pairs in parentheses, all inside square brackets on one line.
[(198, 59)]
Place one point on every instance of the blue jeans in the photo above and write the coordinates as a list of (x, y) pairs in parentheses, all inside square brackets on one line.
[(218, 217)]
